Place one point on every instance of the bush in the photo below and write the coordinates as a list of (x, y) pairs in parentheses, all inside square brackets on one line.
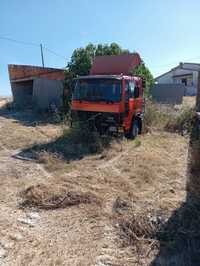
[(143, 72), (182, 123), (156, 116), (88, 140), (168, 118)]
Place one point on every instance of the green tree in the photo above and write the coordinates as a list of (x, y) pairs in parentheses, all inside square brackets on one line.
[(81, 61), (145, 73), (68, 86), (82, 58)]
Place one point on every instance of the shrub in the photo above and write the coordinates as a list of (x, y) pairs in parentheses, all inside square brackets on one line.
[(182, 123), (87, 139), (156, 116), (168, 118)]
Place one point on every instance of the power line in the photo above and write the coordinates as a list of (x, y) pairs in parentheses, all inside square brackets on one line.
[(63, 57), (17, 41), (55, 53), (33, 44)]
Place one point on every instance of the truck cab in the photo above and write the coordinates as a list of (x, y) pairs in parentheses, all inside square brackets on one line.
[(112, 102)]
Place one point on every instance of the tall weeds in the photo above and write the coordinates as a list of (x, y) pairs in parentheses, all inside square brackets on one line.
[(168, 118)]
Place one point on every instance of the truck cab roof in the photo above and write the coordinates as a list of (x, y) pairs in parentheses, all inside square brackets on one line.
[(115, 64)]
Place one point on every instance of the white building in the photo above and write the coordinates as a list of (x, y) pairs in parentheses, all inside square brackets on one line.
[(182, 74)]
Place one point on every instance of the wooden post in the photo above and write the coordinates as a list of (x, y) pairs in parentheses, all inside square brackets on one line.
[(42, 56), (198, 94), (193, 182)]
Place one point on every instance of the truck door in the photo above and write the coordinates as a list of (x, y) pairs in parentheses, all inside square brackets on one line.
[(132, 94)]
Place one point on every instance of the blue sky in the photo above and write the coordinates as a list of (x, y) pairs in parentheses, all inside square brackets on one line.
[(163, 32)]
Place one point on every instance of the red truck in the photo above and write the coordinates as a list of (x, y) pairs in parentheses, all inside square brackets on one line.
[(109, 96)]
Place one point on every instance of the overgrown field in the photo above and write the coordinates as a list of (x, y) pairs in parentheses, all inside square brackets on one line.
[(72, 198)]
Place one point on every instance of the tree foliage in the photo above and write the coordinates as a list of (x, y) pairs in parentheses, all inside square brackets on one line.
[(144, 72), (82, 58), (68, 85)]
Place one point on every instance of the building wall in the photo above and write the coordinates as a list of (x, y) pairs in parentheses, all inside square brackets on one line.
[(167, 78), (17, 72), (195, 78), (46, 92), (22, 93), (57, 75), (39, 93)]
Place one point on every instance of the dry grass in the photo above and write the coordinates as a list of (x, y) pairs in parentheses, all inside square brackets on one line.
[(168, 118), (14, 135), (189, 101), (137, 222), (52, 161), (146, 176), (54, 197), (174, 237)]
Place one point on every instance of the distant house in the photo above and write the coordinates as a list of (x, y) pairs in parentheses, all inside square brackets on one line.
[(185, 76), (36, 87)]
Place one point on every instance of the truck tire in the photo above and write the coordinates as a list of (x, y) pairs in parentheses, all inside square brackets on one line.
[(134, 130)]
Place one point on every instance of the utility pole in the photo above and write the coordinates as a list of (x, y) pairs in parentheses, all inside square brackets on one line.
[(42, 56), (193, 182)]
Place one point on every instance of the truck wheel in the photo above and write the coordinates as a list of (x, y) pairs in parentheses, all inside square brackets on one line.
[(134, 131)]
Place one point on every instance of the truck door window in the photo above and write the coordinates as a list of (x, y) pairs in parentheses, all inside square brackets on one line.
[(136, 92), (132, 89), (127, 90)]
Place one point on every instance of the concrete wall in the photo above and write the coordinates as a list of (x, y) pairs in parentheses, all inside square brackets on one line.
[(46, 92), (22, 93), (38, 93), (168, 93), (191, 91)]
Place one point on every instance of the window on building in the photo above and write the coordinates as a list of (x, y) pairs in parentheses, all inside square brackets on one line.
[(184, 81)]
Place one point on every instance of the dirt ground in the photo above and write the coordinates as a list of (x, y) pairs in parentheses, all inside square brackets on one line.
[(151, 171)]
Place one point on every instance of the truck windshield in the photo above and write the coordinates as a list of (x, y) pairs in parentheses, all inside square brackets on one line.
[(98, 90)]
